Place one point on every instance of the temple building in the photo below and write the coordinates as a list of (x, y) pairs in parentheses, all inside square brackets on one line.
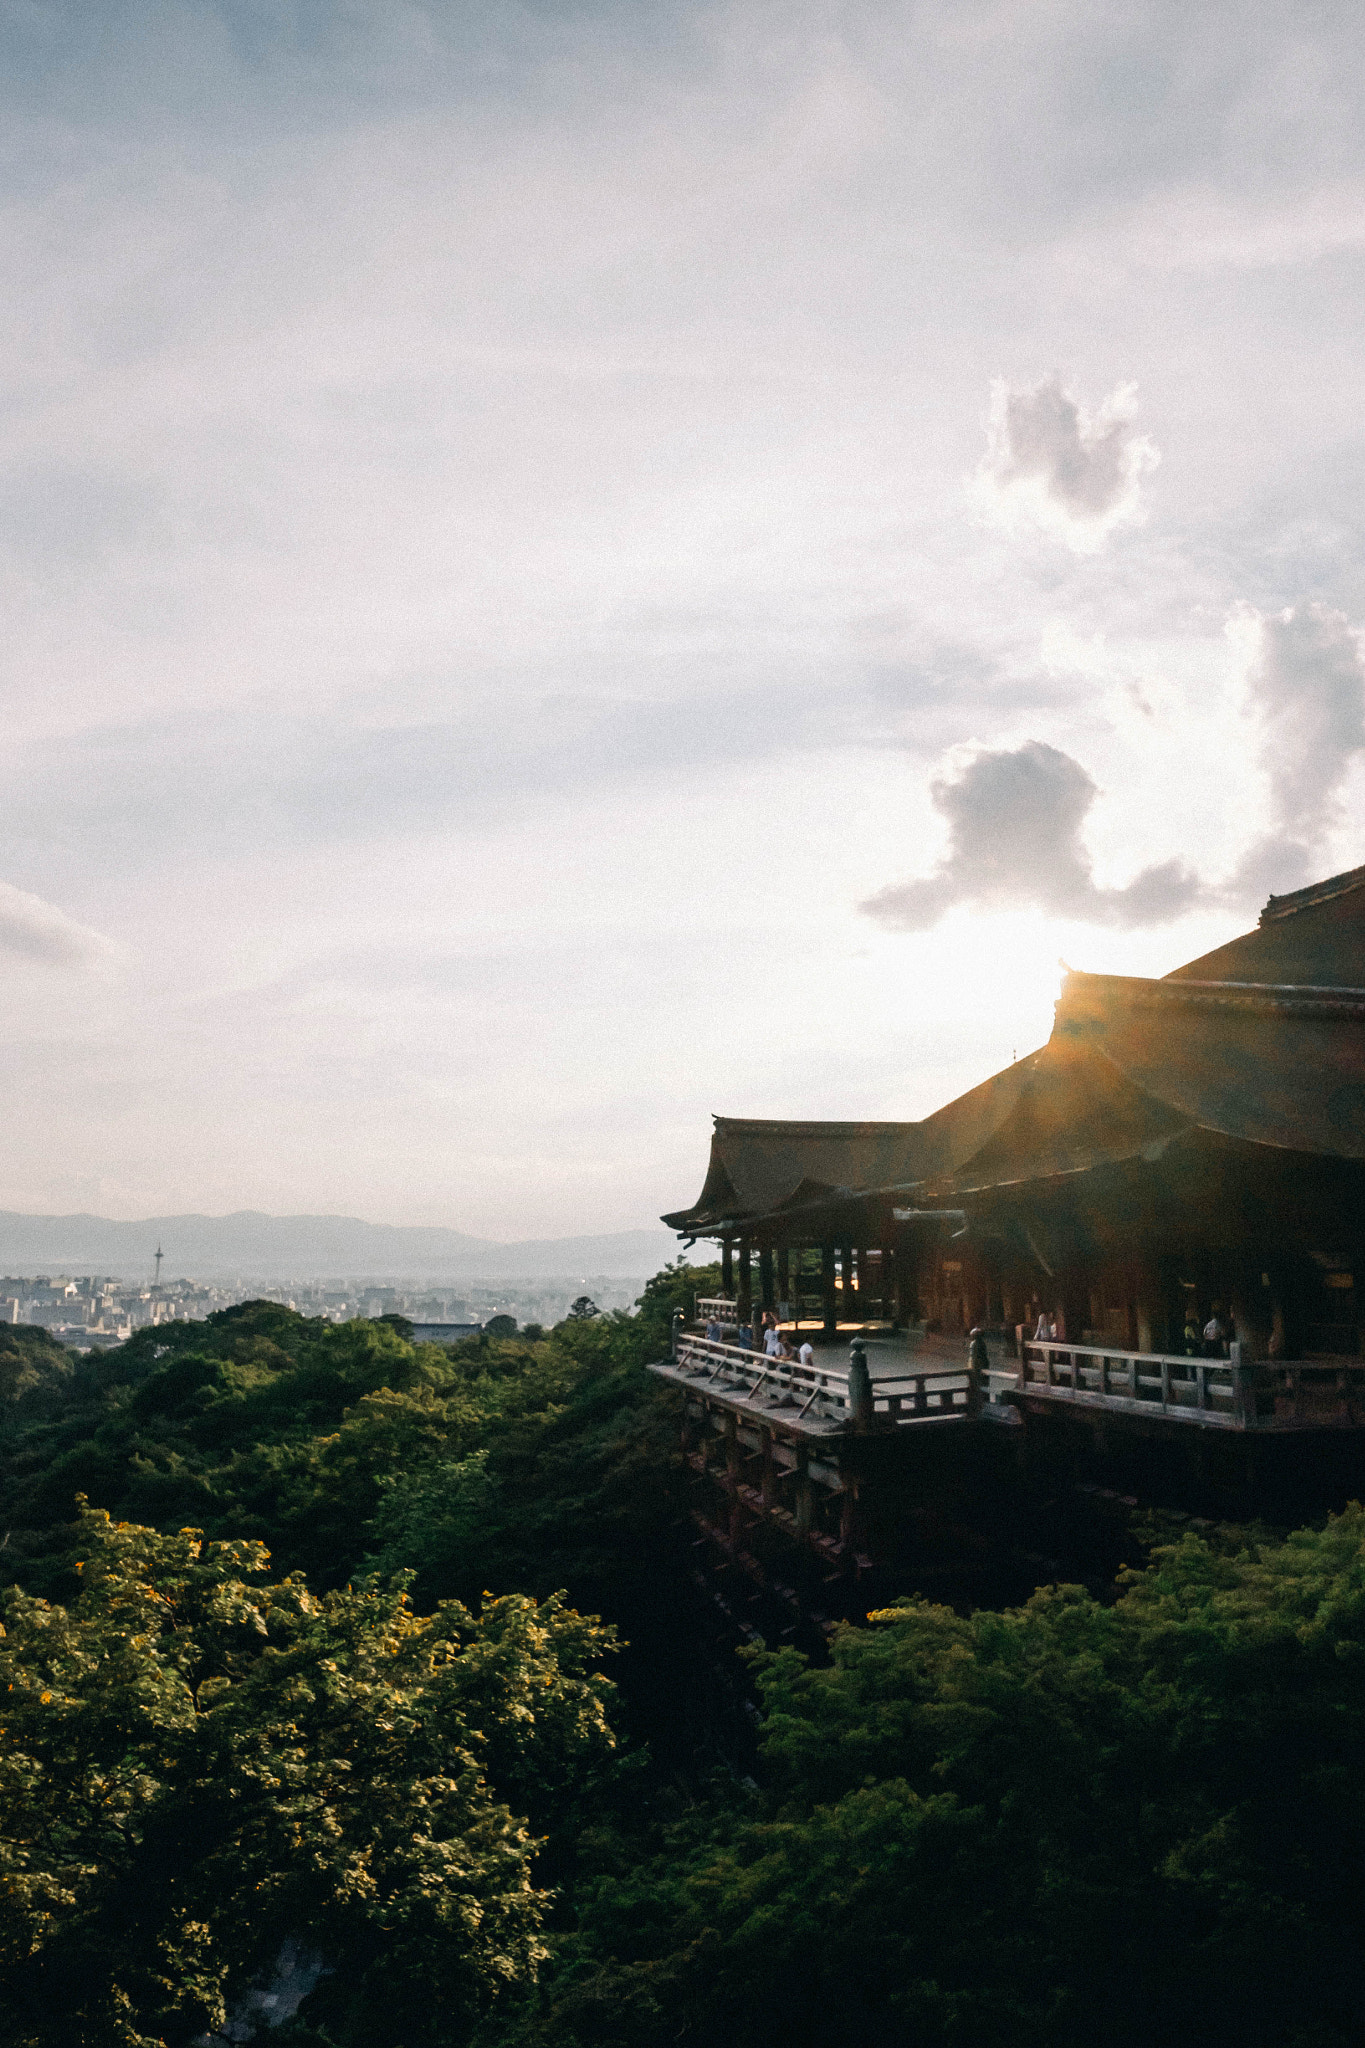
[(1179, 1148)]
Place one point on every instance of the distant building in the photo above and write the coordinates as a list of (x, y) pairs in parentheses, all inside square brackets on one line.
[(444, 1333)]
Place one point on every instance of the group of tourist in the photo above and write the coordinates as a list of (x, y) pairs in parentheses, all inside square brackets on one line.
[(1218, 1333), (777, 1344), (1212, 1341)]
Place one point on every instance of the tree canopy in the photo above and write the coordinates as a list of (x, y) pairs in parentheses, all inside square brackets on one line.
[(1125, 1815), (198, 1760)]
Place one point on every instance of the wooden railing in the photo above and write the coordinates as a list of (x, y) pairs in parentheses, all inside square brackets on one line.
[(717, 1308), (1311, 1393), (906, 1395), (1232, 1393)]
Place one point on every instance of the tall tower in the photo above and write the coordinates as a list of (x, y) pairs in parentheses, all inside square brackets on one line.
[(156, 1275)]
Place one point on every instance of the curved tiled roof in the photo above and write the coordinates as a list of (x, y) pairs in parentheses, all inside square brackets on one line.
[(1268, 1050)]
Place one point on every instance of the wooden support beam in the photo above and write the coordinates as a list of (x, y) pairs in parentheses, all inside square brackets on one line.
[(744, 1297), (848, 1513), (732, 1469), (767, 1297), (803, 1498), (727, 1268)]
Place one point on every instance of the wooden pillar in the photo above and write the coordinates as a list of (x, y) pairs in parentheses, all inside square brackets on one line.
[(769, 1473), (727, 1268), (803, 1501), (830, 1299), (891, 1307), (784, 1278), (765, 1276), (848, 1513), (904, 1285), (848, 1297), (744, 1296), (860, 1275), (732, 1472)]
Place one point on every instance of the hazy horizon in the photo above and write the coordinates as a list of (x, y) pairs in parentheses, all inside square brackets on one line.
[(314, 1248), (568, 569)]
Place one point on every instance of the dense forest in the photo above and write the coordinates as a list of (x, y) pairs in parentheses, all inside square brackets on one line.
[(324, 1644)]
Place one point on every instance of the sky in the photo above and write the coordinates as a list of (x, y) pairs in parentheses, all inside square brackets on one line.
[(570, 567)]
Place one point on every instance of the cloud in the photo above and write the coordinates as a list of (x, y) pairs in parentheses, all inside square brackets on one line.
[(1306, 695), (34, 930), (1307, 690), (1014, 837), (1050, 464)]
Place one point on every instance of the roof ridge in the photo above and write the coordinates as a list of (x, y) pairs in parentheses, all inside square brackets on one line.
[(1295, 900), (806, 1126), (1290, 997)]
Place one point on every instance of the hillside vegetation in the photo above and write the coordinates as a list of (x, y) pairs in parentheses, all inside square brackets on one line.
[(331, 1655)]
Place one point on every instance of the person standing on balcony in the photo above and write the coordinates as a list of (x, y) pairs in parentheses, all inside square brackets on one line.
[(772, 1343), (1214, 1333)]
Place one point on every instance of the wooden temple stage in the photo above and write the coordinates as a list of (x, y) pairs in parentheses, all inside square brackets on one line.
[(778, 1444)]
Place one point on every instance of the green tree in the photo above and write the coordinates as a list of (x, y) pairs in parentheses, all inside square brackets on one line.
[(1076, 1821), (197, 1762), (32, 1364)]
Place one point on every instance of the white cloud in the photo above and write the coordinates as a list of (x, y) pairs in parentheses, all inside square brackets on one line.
[(1307, 692), (1051, 464), (1305, 695), (31, 929), (1014, 838)]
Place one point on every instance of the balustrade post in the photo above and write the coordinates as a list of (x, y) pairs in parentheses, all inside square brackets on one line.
[(978, 1371), (859, 1389)]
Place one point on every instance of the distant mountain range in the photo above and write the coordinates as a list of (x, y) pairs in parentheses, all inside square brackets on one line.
[(250, 1243)]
